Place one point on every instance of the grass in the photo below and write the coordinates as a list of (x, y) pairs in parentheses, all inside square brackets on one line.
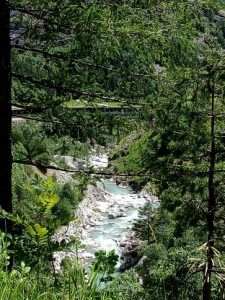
[(73, 285)]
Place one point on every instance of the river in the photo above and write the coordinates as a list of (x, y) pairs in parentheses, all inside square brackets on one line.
[(105, 215), (116, 219)]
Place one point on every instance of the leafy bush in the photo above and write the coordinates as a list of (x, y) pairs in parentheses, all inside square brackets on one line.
[(126, 287)]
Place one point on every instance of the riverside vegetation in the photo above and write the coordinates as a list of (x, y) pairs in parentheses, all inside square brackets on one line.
[(164, 60)]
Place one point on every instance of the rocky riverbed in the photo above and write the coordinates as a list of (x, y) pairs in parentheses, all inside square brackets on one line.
[(103, 220)]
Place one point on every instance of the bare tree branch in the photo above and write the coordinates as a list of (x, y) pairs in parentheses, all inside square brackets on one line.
[(88, 172)]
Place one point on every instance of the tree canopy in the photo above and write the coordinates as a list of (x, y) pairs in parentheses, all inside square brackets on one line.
[(164, 60)]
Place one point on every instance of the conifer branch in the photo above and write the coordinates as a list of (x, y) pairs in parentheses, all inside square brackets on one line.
[(40, 15), (65, 89), (87, 172), (78, 61)]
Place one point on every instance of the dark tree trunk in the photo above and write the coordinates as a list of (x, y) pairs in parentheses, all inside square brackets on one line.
[(5, 115), (211, 206)]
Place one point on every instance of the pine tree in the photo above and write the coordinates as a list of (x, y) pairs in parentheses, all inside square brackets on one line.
[(184, 147), (143, 225), (186, 155)]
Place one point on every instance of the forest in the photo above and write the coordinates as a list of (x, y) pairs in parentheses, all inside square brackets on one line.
[(112, 149)]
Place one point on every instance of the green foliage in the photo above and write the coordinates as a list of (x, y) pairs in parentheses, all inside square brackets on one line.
[(30, 143), (143, 225), (133, 158), (37, 143), (104, 264), (4, 250), (72, 283), (70, 197), (170, 273), (164, 57), (37, 225), (19, 178), (126, 286), (185, 125)]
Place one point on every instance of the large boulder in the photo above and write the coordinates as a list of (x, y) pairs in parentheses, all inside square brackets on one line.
[(116, 214), (129, 244), (130, 256)]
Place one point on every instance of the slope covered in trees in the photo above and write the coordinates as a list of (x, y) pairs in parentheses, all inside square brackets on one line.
[(182, 152), (165, 61)]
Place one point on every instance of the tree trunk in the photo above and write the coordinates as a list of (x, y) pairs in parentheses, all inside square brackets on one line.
[(5, 115), (211, 206)]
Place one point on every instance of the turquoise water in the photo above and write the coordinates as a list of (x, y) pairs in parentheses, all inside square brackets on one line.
[(106, 236), (112, 188)]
